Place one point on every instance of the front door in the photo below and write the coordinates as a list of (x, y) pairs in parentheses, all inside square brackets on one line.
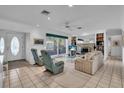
[(15, 46)]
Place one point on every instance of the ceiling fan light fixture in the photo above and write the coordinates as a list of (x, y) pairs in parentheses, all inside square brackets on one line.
[(79, 27), (67, 26)]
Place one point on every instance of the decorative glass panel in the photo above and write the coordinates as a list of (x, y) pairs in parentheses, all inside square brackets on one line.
[(1, 45), (15, 46)]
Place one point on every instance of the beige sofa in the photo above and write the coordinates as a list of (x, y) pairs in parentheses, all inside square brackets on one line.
[(90, 62)]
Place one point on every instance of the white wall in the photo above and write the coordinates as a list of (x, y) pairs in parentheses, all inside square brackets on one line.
[(122, 26), (30, 44), (116, 51), (123, 47), (1, 71), (105, 46), (28, 47), (116, 34)]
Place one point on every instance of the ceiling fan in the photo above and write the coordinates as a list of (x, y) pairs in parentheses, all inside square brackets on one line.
[(71, 27)]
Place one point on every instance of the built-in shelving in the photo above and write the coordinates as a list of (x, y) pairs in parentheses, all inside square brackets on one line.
[(100, 42)]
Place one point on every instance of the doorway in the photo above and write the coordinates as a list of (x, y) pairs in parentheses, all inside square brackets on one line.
[(114, 43)]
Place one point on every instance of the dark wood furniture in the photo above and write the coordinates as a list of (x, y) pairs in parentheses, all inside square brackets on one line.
[(100, 42)]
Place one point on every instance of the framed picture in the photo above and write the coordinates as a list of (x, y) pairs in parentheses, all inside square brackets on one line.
[(50, 45), (39, 41)]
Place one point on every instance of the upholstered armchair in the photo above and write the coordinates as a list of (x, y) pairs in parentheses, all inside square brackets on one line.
[(38, 59), (53, 66)]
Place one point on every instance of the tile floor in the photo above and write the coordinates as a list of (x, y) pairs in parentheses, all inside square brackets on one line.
[(23, 75)]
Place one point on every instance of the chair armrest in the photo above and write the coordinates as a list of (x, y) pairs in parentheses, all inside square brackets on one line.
[(5, 62), (59, 63), (41, 58)]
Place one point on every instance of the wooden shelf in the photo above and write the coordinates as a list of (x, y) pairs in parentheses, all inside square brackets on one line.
[(100, 42)]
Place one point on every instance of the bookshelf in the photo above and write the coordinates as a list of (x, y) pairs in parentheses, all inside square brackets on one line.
[(73, 40), (100, 42)]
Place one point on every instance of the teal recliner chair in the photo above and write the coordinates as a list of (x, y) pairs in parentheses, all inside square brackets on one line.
[(38, 59), (54, 67)]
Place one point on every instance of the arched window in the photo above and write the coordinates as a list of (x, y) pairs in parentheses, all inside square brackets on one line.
[(1, 45), (15, 46)]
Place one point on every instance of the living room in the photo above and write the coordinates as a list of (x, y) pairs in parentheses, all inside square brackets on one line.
[(59, 46)]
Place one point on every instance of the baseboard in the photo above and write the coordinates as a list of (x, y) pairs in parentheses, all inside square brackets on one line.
[(17, 60)]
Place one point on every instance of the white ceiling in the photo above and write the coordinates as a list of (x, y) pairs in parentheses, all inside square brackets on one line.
[(90, 18)]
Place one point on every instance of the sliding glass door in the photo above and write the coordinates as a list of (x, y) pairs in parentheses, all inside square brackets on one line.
[(55, 45), (62, 45), (51, 45)]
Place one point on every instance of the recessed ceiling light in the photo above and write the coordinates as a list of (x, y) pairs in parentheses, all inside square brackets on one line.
[(48, 18), (37, 25)]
